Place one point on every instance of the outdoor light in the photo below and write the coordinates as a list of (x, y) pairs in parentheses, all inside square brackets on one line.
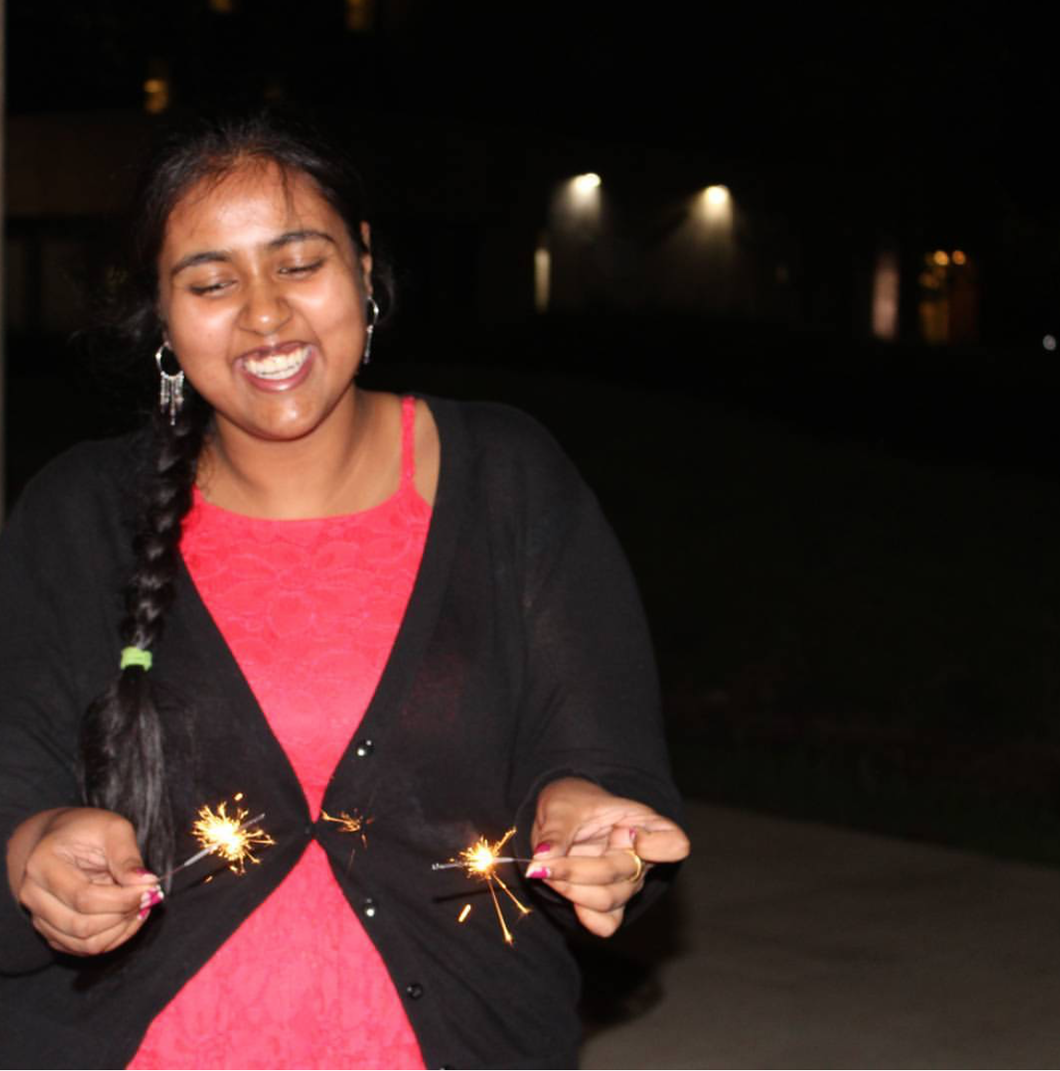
[(959, 257), (1049, 343), (941, 258), (714, 208), (585, 184)]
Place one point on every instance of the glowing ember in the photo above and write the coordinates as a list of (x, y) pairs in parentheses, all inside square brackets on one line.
[(350, 823), (232, 837), (480, 861)]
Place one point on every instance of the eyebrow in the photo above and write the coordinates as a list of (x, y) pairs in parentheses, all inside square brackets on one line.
[(214, 256)]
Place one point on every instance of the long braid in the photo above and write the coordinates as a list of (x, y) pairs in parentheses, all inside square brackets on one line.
[(122, 752)]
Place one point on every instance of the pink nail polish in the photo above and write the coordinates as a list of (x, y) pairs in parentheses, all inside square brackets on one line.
[(156, 897), (143, 913), (539, 872), (542, 848)]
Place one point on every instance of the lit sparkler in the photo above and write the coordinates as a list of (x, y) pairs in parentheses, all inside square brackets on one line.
[(481, 861), (232, 837)]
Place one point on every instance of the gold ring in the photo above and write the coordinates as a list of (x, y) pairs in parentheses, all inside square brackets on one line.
[(639, 872)]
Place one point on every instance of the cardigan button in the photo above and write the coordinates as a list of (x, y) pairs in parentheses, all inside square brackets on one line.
[(364, 748), (368, 906), (414, 990)]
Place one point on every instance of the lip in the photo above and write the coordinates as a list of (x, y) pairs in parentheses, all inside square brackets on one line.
[(273, 362)]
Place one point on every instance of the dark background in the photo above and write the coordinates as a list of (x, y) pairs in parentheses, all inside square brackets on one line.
[(846, 544)]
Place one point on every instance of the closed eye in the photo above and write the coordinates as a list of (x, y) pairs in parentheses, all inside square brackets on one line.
[(205, 289), (302, 269)]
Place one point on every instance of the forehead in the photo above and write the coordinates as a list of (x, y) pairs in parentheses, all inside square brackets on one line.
[(252, 202)]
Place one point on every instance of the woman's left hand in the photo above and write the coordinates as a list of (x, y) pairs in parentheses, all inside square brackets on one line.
[(596, 849)]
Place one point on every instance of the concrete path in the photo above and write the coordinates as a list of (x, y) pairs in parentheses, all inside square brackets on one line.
[(790, 945)]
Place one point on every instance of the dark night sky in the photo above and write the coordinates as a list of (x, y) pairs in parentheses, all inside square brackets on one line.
[(951, 97)]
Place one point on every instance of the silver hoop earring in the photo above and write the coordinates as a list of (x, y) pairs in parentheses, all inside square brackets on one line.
[(372, 318), (171, 386)]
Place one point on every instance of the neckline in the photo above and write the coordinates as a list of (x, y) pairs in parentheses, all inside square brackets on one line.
[(200, 504)]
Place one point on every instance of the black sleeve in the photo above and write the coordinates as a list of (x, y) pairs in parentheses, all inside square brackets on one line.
[(55, 633), (591, 704)]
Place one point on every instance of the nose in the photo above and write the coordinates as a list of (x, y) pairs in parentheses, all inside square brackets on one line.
[(265, 310)]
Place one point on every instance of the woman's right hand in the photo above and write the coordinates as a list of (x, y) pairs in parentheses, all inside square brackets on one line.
[(79, 873)]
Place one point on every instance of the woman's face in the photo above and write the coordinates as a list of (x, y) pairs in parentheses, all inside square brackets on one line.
[(262, 295)]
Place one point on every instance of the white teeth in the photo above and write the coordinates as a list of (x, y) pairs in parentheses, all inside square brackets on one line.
[(277, 365)]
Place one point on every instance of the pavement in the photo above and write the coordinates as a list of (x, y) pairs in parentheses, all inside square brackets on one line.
[(793, 945)]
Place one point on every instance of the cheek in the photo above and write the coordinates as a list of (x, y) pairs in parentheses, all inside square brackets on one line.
[(196, 332)]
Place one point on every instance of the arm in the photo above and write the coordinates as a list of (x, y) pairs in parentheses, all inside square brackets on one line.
[(599, 798), (58, 612)]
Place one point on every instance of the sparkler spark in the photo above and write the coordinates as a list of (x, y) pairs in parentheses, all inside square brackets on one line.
[(464, 913), (481, 861), (350, 823), (232, 837)]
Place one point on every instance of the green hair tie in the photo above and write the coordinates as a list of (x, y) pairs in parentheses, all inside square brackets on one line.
[(136, 656)]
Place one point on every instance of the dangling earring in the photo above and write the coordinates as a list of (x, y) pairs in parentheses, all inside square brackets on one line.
[(171, 386), (369, 330)]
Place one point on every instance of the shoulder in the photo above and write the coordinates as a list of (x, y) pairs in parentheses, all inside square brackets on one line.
[(500, 441), (86, 486)]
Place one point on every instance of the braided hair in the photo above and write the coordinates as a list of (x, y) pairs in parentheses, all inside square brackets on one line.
[(122, 753)]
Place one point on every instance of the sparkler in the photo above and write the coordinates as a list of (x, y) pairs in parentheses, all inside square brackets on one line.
[(232, 837), (481, 861)]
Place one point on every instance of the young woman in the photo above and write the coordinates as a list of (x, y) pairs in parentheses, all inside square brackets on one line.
[(331, 601)]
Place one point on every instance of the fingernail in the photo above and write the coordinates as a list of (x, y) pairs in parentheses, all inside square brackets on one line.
[(542, 848), (144, 873), (539, 872), (151, 898), (143, 913)]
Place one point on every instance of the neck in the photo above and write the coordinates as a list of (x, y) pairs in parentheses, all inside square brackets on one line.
[(318, 475)]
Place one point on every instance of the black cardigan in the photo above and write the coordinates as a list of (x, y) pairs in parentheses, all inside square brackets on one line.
[(523, 656)]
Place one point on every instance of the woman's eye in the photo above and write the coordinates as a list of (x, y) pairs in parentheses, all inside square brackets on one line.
[(205, 289), (301, 269)]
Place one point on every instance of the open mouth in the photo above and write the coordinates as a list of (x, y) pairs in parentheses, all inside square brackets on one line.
[(277, 366)]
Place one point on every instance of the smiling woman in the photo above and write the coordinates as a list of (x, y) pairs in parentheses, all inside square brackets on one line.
[(263, 298), (334, 601)]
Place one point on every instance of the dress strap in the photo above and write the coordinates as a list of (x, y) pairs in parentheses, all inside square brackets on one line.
[(408, 440)]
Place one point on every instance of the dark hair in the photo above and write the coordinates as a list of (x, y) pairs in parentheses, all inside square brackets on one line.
[(122, 738), (208, 149)]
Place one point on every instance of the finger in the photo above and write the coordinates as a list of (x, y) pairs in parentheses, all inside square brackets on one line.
[(87, 942), (124, 861), (92, 908), (669, 845), (613, 867), (69, 887), (600, 923)]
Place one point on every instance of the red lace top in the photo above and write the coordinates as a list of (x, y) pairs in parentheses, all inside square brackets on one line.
[(310, 610)]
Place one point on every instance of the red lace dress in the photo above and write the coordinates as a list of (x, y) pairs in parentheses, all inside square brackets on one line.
[(300, 984)]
